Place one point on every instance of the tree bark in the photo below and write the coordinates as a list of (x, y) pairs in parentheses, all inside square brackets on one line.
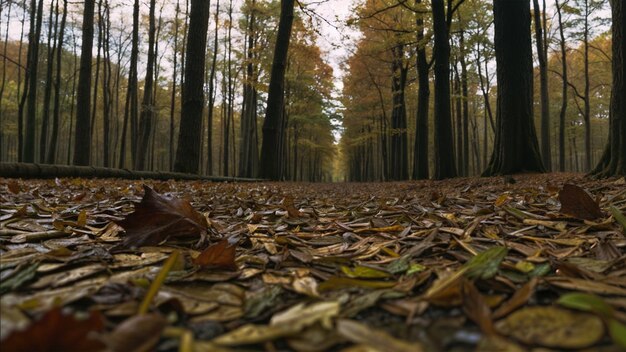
[(82, 142), (56, 114), (546, 156), (420, 155), (564, 88), (444, 154), (33, 79), (189, 138), (516, 148), (146, 119), (399, 157), (130, 107), (272, 126)]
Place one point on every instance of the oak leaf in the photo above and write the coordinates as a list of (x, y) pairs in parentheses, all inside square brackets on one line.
[(157, 218), (576, 202), (220, 255)]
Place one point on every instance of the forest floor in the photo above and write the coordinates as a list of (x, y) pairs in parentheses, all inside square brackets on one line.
[(490, 264)]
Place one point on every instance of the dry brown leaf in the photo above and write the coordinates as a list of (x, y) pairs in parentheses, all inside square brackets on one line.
[(137, 333), (56, 331), (576, 202), (157, 218), (220, 255)]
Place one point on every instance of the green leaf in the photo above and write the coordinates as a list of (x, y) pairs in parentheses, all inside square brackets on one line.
[(485, 265), (621, 218), (25, 274), (617, 331), (364, 272), (586, 302)]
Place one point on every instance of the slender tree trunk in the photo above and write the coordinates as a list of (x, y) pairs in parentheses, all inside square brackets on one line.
[(130, 107), (272, 126), (94, 107), (22, 102), (420, 155), (106, 88), (173, 94), (564, 88), (543, 78), (587, 107), (189, 139), (146, 119), (248, 159), (51, 47), (212, 92), (399, 158), (31, 93), (465, 103), (444, 155), (4, 76), (56, 114)]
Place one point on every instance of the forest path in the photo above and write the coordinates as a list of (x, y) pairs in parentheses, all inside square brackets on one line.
[(405, 266)]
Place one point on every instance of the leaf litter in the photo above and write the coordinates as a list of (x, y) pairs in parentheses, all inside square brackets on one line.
[(464, 264)]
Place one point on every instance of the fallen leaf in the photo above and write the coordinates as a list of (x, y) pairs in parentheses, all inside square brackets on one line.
[(157, 218), (13, 186), (220, 255), (291, 208), (476, 308), (137, 333), (378, 339), (56, 331), (552, 327), (576, 202), (485, 265)]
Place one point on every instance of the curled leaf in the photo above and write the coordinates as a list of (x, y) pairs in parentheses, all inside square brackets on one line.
[(157, 218)]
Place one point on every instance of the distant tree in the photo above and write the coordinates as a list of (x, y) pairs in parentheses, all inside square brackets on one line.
[(82, 141), (272, 126), (56, 115), (30, 90), (564, 87), (516, 148), (189, 138), (146, 119), (132, 100), (613, 161), (420, 153)]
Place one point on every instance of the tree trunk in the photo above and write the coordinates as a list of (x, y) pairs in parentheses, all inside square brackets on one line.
[(189, 138), (420, 155), (444, 154), (563, 111), (173, 93), (543, 79), (212, 93), (33, 79), (516, 148), (465, 103), (51, 47), (399, 158), (130, 108), (249, 155), (272, 126), (56, 114), (146, 119), (82, 142), (613, 161)]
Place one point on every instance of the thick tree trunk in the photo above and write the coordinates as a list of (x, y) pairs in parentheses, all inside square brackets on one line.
[(189, 138), (444, 155), (516, 148), (82, 142), (272, 126)]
